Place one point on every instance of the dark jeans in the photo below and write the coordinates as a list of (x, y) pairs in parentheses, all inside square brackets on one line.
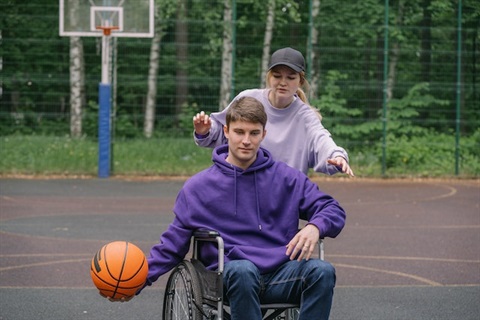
[(309, 283)]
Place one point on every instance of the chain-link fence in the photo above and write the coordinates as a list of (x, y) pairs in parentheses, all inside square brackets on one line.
[(384, 75)]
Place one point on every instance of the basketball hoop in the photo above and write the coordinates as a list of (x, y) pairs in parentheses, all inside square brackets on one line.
[(98, 18), (107, 30)]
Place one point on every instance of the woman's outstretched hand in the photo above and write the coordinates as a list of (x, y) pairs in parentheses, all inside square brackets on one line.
[(202, 123), (342, 165)]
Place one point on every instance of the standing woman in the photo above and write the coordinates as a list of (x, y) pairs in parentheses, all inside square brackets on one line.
[(296, 134)]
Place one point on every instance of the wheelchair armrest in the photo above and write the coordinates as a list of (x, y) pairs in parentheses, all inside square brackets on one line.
[(208, 235), (205, 234)]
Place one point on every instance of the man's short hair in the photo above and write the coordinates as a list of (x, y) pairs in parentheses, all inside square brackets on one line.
[(247, 109)]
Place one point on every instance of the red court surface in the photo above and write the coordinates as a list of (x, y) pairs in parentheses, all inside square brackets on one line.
[(410, 249)]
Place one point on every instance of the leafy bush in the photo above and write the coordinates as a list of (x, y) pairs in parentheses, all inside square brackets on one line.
[(432, 155)]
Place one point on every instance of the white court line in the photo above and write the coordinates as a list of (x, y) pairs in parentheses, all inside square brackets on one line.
[(404, 258), (396, 273), (38, 264)]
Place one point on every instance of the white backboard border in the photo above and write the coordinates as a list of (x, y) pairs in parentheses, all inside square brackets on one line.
[(94, 32)]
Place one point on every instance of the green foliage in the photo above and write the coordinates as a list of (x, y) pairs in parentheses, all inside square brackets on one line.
[(343, 121), (35, 88), (47, 155), (429, 155), (38, 155), (185, 123), (160, 156), (90, 119), (403, 112), (179, 126), (31, 122)]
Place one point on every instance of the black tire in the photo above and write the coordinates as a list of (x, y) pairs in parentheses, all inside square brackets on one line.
[(183, 294)]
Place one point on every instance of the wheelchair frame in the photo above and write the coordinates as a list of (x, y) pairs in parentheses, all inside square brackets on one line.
[(194, 293)]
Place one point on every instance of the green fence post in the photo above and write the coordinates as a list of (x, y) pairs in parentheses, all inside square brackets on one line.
[(459, 87), (385, 78), (309, 42), (234, 47)]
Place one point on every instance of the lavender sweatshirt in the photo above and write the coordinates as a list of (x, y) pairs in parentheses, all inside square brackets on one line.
[(256, 211), (295, 135)]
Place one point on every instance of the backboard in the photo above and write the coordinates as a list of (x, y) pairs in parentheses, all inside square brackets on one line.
[(86, 18)]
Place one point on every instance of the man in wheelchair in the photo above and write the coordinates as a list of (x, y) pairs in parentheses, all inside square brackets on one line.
[(255, 204)]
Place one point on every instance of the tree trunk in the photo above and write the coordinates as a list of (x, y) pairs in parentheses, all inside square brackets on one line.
[(267, 40), (77, 86), (392, 67), (227, 57), (380, 65), (149, 122), (181, 42), (315, 57), (77, 80), (426, 38)]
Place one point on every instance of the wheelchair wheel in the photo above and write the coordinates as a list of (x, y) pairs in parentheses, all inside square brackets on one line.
[(292, 314), (289, 314), (183, 295)]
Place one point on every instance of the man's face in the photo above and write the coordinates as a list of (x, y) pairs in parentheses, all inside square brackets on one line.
[(244, 139)]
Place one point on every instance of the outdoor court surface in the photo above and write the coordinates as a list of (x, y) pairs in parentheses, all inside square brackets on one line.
[(410, 249)]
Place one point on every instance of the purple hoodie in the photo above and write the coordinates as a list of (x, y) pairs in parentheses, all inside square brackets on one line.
[(256, 212)]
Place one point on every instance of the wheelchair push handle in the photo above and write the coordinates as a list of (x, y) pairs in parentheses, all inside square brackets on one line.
[(205, 234)]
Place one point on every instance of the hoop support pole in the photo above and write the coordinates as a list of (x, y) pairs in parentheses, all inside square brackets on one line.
[(104, 111)]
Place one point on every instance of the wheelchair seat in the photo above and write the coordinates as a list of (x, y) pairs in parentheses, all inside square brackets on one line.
[(195, 293)]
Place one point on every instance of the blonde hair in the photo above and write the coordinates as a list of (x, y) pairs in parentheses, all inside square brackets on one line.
[(301, 91)]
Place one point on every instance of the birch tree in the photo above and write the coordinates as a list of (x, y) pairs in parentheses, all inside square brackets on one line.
[(314, 57), (161, 12), (181, 44), (392, 65), (267, 40), (77, 80), (227, 56), (149, 122)]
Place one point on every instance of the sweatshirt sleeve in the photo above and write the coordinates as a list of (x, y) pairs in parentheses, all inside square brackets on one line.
[(173, 245), (322, 210), (215, 136), (322, 147)]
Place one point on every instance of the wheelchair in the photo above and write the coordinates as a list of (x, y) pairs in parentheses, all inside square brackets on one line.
[(195, 293)]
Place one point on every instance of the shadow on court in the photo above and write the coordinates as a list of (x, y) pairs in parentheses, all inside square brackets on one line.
[(410, 249)]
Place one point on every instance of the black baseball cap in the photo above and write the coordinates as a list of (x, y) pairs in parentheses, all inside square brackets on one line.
[(288, 57)]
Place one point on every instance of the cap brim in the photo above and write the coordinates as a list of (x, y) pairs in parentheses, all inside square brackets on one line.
[(290, 65)]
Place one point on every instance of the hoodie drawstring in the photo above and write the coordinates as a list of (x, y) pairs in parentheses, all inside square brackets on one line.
[(235, 190), (257, 201)]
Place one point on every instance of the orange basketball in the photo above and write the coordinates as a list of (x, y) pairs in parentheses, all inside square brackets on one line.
[(119, 269)]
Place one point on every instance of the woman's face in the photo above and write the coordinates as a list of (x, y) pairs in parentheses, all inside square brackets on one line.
[(284, 81)]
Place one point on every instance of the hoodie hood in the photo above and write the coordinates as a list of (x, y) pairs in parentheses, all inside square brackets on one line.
[(263, 161)]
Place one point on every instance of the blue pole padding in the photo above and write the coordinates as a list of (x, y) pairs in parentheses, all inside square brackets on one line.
[(104, 91)]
